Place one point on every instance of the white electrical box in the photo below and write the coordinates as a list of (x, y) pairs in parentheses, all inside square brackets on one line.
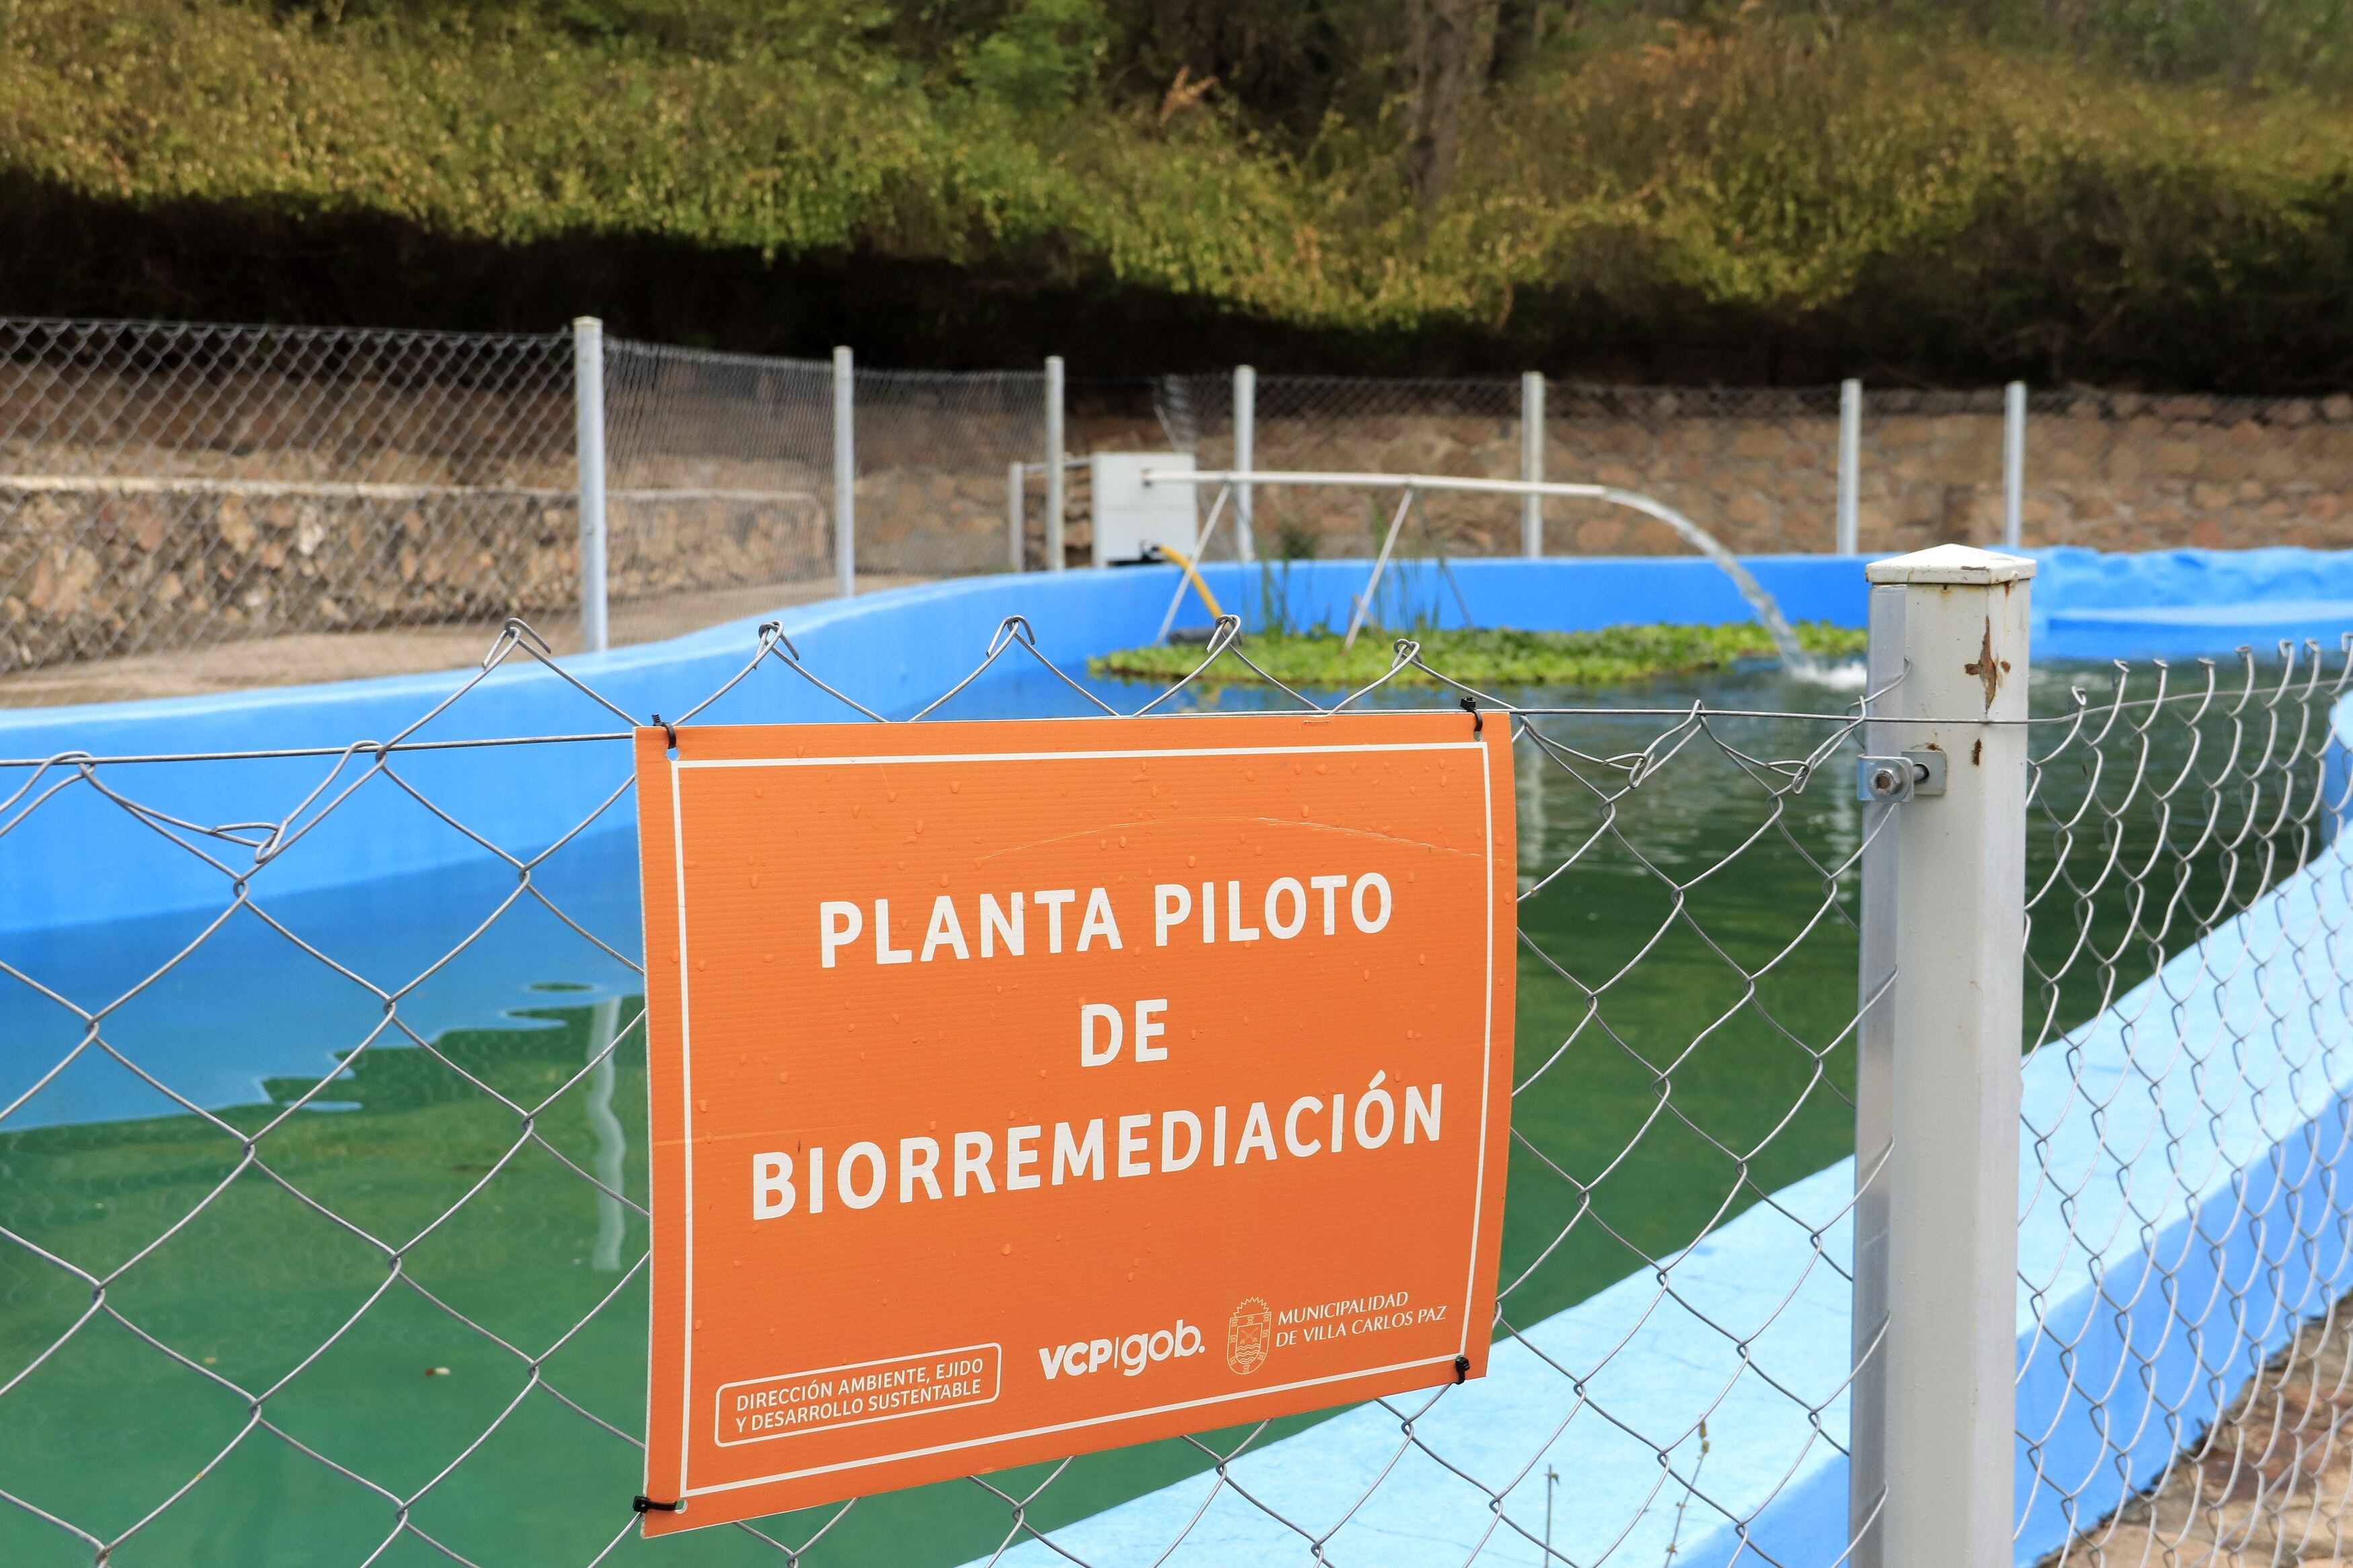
[(1133, 518)]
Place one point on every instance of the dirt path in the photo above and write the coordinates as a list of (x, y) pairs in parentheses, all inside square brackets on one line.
[(349, 656)]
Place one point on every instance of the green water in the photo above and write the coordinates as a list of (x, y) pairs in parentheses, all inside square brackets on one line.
[(1666, 1089)]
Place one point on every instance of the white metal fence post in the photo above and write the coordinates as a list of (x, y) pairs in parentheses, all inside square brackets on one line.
[(1951, 1343), (1850, 467), (1532, 464), (1054, 440), (2013, 461), (1245, 458), (845, 473), (1015, 519), (589, 446)]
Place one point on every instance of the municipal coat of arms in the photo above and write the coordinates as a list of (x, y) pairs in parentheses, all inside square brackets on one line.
[(1249, 1333)]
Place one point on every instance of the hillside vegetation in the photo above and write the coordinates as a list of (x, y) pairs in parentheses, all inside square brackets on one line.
[(2157, 191)]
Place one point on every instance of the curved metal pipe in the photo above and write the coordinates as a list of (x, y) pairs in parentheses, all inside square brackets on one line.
[(1794, 659)]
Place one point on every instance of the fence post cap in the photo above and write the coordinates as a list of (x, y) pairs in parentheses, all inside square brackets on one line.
[(1951, 563)]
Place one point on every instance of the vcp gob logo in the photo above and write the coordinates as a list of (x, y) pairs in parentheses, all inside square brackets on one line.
[(1250, 1335)]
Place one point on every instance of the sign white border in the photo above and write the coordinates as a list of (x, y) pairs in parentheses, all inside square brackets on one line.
[(686, 1083)]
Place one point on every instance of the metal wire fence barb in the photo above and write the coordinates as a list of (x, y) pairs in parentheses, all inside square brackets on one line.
[(323, 1217)]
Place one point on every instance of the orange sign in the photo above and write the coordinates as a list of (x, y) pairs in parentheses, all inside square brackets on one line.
[(1026, 1088)]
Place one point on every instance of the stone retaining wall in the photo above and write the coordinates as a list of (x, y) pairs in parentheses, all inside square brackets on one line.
[(2110, 472), (91, 574), (89, 571)]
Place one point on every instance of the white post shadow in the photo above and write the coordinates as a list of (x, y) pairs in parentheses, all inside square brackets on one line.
[(1875, 1093)]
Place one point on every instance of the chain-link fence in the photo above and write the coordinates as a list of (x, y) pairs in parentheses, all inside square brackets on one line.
[(1755, 468), (2187, 1020), (167, 490), (1758, 468), (2109, 471), (188, 507), (932, 454), (322, 1230), (719, 485), (402, 1291)]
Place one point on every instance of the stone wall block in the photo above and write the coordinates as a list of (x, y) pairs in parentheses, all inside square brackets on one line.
[(2222, 465)]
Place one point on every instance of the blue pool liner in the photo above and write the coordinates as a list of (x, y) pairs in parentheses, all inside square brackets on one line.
[(896, 651)]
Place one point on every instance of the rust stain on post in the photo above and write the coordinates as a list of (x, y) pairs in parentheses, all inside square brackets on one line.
[(1987, 667)]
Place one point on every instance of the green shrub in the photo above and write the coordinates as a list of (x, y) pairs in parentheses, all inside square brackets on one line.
[(1996, 192), (1042, 55)]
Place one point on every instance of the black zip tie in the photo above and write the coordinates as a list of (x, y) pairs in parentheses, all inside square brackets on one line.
[(1469, 706), (648, 1505), (671, 730), (1461, 1363)]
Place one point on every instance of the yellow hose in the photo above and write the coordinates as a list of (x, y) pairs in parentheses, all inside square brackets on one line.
[(1199, 586)]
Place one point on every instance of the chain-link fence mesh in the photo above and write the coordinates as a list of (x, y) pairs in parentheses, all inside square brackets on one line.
[(321, 1206), (396, 1301), (719, 485), (166, 489), (1755, 468), (1758, 468), (933, 449), (2186, 1236), (1335, 424), (2109, 471)]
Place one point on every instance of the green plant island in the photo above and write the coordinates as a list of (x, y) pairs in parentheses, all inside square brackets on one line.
[(1612, 656)]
